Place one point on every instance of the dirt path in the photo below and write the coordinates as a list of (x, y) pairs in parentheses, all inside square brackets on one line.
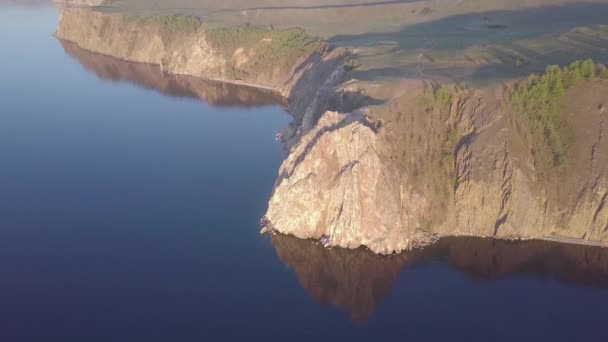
[(573, 241)]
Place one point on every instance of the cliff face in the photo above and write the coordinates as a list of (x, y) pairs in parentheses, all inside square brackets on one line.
[(183, 45), (112, 35), (288, 62), (395, 161), (383, 178), (338, 183)]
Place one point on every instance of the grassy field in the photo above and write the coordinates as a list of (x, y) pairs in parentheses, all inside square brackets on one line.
[(476, 41), (173, 23), (272, 47)]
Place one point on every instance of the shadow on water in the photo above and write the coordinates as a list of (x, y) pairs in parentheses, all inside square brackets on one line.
[(152, 77), (356, 281)]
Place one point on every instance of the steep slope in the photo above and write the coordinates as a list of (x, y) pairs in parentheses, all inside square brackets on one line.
[(298, 67), (400, 161), (458, 162)]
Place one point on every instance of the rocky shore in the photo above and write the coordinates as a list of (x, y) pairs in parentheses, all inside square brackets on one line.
[(387, 164)]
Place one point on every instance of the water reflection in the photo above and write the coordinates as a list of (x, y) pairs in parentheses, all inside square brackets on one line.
[(489, 260), (152, 77), (357, 281), (354, 281)]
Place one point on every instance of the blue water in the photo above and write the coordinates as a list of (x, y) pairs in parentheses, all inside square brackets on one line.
[(129, 213)]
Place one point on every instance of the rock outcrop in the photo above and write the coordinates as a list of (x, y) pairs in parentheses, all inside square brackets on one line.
[(338, 182), (403, 165), (299, 68), (383, 177), (184, 46)]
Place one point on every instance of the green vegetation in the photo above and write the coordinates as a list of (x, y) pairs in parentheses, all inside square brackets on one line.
[(271, 47), (173, 23), (537, 99), (249, 50), (603, 72), (443, 95), (352, 64)]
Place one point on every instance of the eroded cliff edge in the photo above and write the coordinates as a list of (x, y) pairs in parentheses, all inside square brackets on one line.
[(396, 162), (448, 163), (300, 68)]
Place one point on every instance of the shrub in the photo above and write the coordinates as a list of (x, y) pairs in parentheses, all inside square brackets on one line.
[(174, 23), (352, 64), (603, 72), (443, 95), (273, 47), (537, 100)]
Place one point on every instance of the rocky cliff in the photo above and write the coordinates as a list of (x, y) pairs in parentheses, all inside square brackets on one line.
[(258, 56), (463, 164), (299, 68), (397, 162)]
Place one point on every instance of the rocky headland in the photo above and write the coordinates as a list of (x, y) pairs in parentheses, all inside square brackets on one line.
[(390, 164)]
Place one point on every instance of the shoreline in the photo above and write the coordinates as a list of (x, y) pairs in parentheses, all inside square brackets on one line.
[(277, 92), (575, 241), (552, 239), (314, 97), (258, 86)]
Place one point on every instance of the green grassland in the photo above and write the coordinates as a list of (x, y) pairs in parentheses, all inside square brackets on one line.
[(173, 23), (481, 42), (271, 47)]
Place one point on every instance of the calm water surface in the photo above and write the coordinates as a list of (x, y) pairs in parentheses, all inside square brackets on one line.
[(129, 203)]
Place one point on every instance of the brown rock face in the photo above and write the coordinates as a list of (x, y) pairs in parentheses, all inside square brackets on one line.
[(180, 50), (463, 168), (382, 175), (337, 183), (304, 75)]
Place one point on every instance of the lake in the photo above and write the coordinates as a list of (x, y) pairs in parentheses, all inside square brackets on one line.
[(129, 211)]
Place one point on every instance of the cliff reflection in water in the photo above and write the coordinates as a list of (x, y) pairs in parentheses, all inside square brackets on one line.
[(152, 77), (357, 281)]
